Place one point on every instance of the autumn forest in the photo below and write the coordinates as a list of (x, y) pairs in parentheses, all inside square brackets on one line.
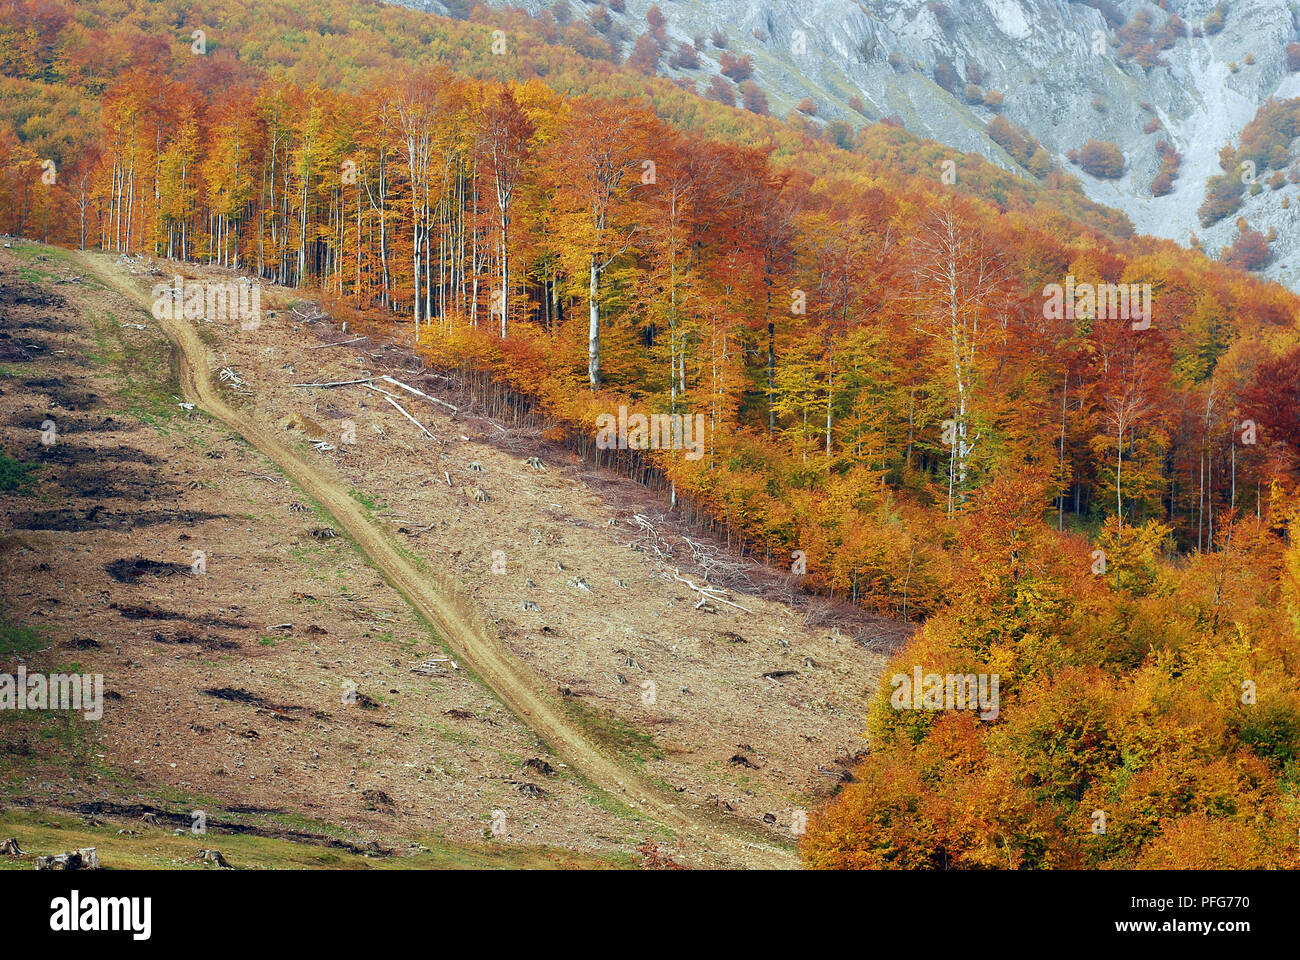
[(1105, 513)]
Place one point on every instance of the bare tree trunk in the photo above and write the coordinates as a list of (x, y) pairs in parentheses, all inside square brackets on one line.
[(593, 328), (1060, 499)]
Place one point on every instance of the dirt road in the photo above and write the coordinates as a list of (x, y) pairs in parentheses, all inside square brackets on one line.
[(448, 611)]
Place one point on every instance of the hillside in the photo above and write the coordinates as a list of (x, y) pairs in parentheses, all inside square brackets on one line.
[(1126, 72), (695, 438), (226, 688)]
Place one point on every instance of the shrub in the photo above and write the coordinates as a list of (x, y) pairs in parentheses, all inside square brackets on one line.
[(737, 68), (1102, 159), (685, 57), (1170, 161), (945, 75), (721, 91), (1040, 164), (1019, 144), (657, 22), (1222, 197), (839, 133), (1248, 252), (600, 20), (943, 14), (1214, 22), (645, 55), (1266, 140), (753, 98)]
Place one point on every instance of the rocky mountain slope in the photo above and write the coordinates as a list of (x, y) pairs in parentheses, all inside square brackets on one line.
[(1067, 72)]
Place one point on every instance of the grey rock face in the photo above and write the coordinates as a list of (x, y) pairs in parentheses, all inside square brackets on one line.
[(1055, 62)]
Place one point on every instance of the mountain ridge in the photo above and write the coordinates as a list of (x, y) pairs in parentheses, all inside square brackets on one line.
[(1062, 69)]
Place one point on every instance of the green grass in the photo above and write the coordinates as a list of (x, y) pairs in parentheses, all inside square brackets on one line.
[(42, 833), (17, 639), (53, 744), (16, 476), (32, 251), (147, 384), (366, 500), (614, 735), (33, 742), (612, 805), (34, 276)]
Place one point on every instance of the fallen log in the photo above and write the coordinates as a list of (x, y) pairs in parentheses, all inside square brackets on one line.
[(419, 393), (335, 383), (337, 343), (86, 858), (402, 411)]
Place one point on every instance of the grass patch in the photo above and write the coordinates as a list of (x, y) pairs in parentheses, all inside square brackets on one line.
[(148, 384), (16, 640), (41, 833), (46, 744), (613, 734), (16, 476), (366, 500), (33, 276)]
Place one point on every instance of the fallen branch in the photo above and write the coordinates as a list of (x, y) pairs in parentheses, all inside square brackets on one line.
[(335, 383), (311, 314), (418, 393), (337, 343), (657, 544), (263, 476), (707, 593), (407, 415)]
